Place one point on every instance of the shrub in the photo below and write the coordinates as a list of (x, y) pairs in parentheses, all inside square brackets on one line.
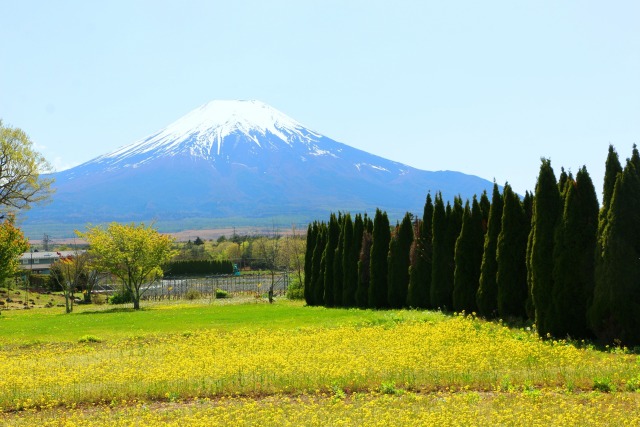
[(121, 297), (295, 289), (38, 280), (389, 388), (603, 384), (192, 294), (98, 299), (89, 338), (221, 293)]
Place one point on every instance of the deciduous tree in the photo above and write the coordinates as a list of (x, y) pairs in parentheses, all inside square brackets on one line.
[(21, 168), (12, 245), (72, 272), (133, 253)]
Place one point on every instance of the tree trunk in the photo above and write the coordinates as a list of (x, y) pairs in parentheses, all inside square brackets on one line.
[(68, 302), (271, 288), (135, 295)]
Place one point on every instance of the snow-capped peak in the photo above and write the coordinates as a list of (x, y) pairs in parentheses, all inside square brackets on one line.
[(203, 130), (228, 116)]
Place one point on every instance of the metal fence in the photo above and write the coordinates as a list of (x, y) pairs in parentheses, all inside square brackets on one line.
[(205, 287)]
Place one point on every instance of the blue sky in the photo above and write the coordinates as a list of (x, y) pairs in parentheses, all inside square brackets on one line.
[(486, 88)]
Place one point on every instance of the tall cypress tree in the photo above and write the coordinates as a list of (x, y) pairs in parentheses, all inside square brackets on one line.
[(563, 180), (574, 261), (547, 205), (398, 279), (364, 269), (468, 259), (312, 234), (333, 233), (527, 204), (616, 298), (485, 209), (421, 253), (392, 274), (453, 225), (439, 269), (612, 169), (338, 272), (379, 251), (416, 269), (368, 224), (349, 262), (487, 296), (511, 257), (318, 266)]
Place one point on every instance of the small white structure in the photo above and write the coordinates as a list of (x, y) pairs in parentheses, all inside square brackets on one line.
[(40, 262)]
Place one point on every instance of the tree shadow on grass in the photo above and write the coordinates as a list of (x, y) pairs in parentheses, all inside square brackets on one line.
[(114, 310)]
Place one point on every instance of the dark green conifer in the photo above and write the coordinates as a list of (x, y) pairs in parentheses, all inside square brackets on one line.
[(421, 254), (616, 300), (511, 257), (485, 208), (574, 261), (487, 296), (379, 250), (398, 278), (364, 269), (391, 271), (527, 204), (338, 272), (612, 169), (312, 234), (349, 262), (318, 265), (562, 180), (333, 233), (468, 259), (547, 208), (439, 269)]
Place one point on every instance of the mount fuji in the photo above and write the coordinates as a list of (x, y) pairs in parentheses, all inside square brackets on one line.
[(232, 161)]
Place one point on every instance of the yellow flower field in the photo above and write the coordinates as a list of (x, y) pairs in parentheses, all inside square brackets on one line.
[(370, 409), (458, 354)]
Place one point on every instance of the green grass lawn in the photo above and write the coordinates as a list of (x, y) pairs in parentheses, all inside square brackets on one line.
[(109, 323)]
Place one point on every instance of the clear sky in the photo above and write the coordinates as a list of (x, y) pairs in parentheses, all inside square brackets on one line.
[(481, 87)]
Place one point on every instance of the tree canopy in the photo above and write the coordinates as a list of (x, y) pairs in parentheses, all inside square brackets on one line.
[(133, 253), (21, 166), (12, 245)]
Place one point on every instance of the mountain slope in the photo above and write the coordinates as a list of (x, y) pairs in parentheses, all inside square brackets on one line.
[(240, 159)]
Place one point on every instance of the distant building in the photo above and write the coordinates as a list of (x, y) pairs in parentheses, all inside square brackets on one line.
[(40, 262)]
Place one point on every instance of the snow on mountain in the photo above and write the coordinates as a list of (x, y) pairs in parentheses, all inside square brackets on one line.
[(239, 159), (202, 132)]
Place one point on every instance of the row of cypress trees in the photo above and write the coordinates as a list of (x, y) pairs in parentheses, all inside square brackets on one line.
[(197, 267), (553, 257)]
